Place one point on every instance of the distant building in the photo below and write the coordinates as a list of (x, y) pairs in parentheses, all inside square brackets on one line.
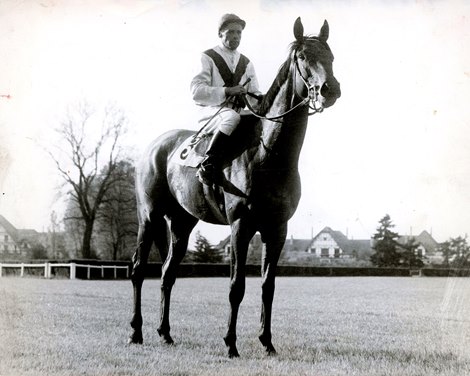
[(328, 244), (334, 244), (21, 244), (428, 247), (14, 243), (255, 249)]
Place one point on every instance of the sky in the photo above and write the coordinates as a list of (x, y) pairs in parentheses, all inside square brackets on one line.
[(396, 142)]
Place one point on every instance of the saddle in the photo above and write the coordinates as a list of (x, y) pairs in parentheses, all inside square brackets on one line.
[(192, 150)]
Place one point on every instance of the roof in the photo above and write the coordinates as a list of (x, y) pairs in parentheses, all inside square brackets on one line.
[(425, 239), (9, 228), (360, 246), (28, 234), (255, 242), (337, 236), (295, 245)]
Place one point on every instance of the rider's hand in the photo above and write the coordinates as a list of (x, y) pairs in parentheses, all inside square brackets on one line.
[(235, 90)]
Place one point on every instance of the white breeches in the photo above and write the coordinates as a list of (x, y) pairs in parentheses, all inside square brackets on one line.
[(225, 121)]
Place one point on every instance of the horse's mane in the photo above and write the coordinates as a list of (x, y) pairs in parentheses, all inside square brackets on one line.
[(282, 75), (271, 94)]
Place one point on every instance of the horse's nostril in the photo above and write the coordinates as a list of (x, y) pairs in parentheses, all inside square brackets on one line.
[(324, 90)]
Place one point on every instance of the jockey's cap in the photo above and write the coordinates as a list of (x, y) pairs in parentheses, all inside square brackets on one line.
[(229, 18)]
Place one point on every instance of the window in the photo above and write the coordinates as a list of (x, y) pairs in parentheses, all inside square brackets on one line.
[(337, 253), (6, 238), (325, 252)]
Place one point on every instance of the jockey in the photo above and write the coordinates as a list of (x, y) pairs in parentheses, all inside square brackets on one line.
[(217, 89)]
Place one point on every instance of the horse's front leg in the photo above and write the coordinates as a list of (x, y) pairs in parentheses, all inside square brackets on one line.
[(242, 233), (274, 239)]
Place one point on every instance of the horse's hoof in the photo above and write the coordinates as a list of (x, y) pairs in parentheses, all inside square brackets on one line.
[(270, 350), (233, 353), (135, 339), (232, 348), (166, 338)]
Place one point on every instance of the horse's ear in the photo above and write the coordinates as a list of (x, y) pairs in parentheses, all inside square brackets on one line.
[(298, 30), (324, 32)]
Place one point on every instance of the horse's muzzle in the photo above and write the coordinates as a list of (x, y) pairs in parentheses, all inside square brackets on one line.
[(330, 91)]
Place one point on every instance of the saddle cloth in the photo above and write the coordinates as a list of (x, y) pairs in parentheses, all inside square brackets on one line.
[(192, 151)]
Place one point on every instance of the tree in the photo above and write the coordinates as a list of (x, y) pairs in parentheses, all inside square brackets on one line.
[(385, 245), (74, 229), (204, 252), (456, 252), (117, 221), (55, 239), (409, 254), (80, 157), (38, 251)]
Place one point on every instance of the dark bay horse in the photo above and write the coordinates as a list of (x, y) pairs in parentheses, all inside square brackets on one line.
[(260, 192)]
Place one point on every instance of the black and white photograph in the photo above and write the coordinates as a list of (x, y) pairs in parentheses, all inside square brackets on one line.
[(266, 187)]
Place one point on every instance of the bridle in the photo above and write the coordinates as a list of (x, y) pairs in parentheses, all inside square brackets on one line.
[(311, 89), (310, 99)]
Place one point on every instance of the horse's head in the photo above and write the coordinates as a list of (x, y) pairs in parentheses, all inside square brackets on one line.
[(314, 67)]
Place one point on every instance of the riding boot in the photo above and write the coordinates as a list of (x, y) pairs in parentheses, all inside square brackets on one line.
[(210, 171)]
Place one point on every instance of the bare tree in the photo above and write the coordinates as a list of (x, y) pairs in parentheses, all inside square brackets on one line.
[(86, 159), (55, 238), (117, 223)]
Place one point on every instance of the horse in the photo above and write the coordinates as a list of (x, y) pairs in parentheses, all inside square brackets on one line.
[(259, 193)]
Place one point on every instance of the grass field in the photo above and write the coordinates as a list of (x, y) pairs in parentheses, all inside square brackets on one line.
[(321, 326)]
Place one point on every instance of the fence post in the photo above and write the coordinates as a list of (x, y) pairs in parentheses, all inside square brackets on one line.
[(115, 272), (22, 270), (73, 270), (88, 272), (127, 272), (102, 272), (46, 271)]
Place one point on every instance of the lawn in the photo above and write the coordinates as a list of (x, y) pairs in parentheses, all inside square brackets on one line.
[(321, 326)]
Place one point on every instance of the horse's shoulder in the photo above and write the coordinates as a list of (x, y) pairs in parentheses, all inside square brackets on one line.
[(246, 136)]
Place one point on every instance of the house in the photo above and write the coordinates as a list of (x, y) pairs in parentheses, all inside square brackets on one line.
[(427, 246), (13, 242), (255, 249), (327, 244), (334, 244), (20, 244)]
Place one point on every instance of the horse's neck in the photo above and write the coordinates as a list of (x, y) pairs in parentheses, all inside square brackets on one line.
[(282, 141)]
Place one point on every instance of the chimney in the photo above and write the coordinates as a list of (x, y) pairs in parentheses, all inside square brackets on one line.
[(292, 240)]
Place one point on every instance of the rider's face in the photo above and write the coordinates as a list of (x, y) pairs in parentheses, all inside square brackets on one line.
[(231, 35)]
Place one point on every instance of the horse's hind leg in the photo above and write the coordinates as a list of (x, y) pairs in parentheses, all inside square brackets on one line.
[(181, 226), (149, 231)]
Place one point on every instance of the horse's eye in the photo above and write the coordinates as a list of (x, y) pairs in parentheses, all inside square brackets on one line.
[(301, 56)]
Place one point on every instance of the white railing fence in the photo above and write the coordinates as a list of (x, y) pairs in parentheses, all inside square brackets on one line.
[(72, 267)]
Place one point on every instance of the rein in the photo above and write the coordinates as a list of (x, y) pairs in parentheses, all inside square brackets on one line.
[(310, 99)]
